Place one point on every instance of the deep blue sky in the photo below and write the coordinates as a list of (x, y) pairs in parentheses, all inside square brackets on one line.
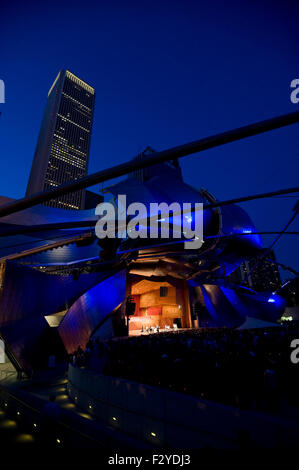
[(165, 73)]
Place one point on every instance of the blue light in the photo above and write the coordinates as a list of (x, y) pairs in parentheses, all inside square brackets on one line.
[(246, 230), (271, 300)]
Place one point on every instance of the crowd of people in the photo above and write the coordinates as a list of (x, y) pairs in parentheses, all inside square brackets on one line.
[(251, 369)]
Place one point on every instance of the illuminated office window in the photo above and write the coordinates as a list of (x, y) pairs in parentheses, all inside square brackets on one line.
[(66, 147)]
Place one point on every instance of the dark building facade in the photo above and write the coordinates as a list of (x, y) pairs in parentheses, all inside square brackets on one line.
[(62, 150), (92, 199), (260, 274), (290, 291)]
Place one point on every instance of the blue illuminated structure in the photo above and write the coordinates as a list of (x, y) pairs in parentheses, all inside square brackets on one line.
[(48, 268)]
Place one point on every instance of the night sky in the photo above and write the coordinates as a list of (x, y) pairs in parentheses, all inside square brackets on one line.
[(165, 73)]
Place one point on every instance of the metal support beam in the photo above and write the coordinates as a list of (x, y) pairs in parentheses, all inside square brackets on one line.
[(29, 229), (154, 158), (49, 246)]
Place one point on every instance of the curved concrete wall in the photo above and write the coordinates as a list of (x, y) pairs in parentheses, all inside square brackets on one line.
[(173, 420)]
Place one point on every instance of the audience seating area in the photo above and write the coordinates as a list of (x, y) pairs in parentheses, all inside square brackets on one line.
[(250, 369)]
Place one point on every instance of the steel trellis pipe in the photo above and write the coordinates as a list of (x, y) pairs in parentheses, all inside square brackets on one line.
[(154, 158)]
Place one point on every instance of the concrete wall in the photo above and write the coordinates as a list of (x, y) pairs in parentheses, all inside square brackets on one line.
[(172, 419)]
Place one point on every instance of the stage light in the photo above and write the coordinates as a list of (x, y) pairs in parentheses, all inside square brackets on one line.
[(34, 425), (114, 418), (58, 441), (18, 413), (153, 434)]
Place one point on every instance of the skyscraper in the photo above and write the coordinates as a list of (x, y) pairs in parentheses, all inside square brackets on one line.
[(62, 150), (264, 273), (258, 273)]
